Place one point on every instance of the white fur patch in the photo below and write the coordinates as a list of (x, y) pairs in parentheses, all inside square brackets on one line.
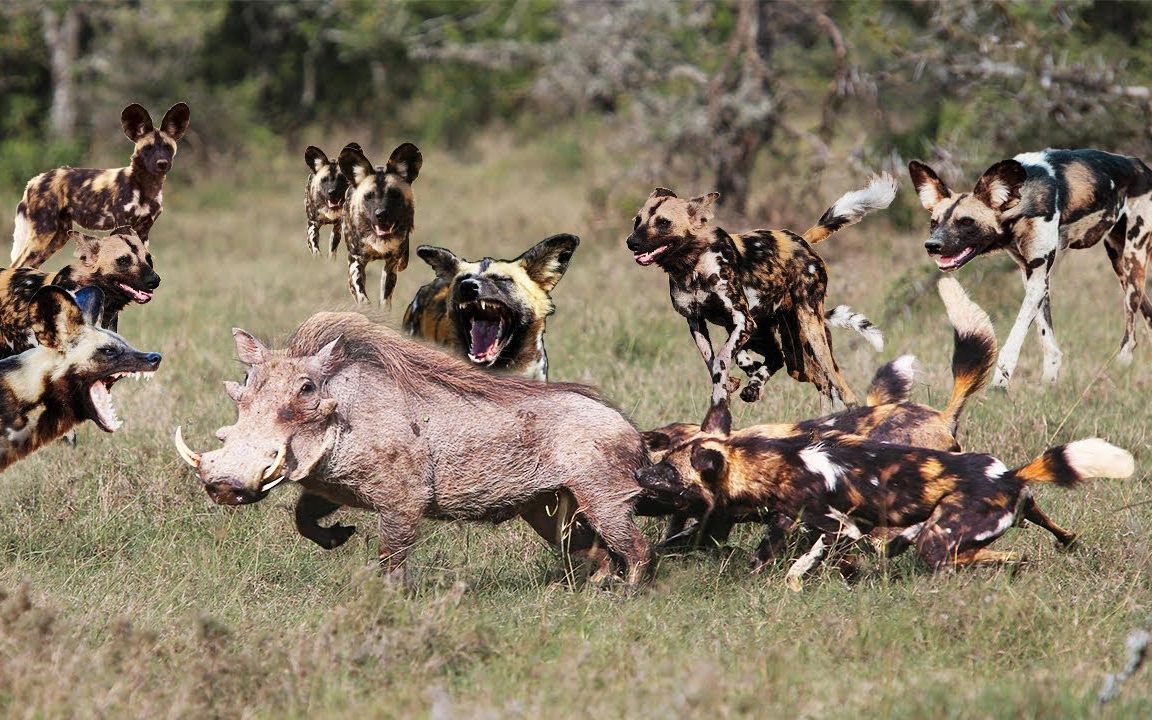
[(879, 193), (817, 461), (968, 318), (1036, 159), (904, 367), (19, 236), (843, 316), (1096, 458), (1004, 523), (847, 526), (995, 469)]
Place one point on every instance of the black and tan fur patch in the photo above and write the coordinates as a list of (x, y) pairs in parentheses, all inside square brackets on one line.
[(765, 288), (379, 215), (492, 312), (67, 376), (100, 199)]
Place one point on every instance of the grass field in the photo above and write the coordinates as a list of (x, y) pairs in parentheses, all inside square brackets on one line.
[(127, 593)]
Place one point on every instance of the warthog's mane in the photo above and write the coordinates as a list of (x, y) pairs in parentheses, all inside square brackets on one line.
[(414, 367)]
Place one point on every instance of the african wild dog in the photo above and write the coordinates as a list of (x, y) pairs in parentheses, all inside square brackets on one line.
[(379, 215), (951, 506), (765, 287), (119, 264), (100, 199), (324, 197), (1034, 206), (67, 377), (492, 311), (889, 416)]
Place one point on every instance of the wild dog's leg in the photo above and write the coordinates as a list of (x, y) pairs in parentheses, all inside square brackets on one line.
[(795, 577), (738, 334), (1128, 247), (1052, 354), (776, 531), (960, 533), (762, 343), (41, 246), (1031, 512), (314, 237), (335, 241), (984, 556), (387, 286), (309, 509), (814, 333), (1039, 240), (357, 266)]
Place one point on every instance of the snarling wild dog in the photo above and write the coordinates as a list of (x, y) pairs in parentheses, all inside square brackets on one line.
[(324, 197), (1033, 207), (67, 377), (889, 416), (764, 287), (492, 312), (100, 199), (119, 264), (951, 506), (359, 415), (379, 215)]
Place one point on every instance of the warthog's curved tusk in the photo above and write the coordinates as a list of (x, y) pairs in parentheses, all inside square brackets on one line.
[(274, 469), (186, 453)]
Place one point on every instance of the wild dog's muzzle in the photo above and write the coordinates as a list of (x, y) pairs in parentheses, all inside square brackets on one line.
[(645, 250)]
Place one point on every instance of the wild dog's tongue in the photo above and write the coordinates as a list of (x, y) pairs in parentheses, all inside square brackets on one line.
[(485, 337), (140, 296)]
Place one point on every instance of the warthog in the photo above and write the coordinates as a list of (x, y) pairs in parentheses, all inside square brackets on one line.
[(359, 415)]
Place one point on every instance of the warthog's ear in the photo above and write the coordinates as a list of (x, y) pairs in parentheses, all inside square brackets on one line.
[(55, 317), (175, 122), (700, 209), (91, 302), (928, 184), (315, 158), (406, 161), (87, 247), (250, 350), (441, 260), (234, 390), (718, 421), (330, 357), (547, 261), (999, 186), (136, 122), (354, 164)]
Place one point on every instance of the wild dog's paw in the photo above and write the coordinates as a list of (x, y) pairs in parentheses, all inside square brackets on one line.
[(1003, 377), (1072, 544), (750, 393)]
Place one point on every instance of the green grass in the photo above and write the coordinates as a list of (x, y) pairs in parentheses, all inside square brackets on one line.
[(129, 594)]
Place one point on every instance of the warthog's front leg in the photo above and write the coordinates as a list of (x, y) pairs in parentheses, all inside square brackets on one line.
[(309, 509), (397, 534)]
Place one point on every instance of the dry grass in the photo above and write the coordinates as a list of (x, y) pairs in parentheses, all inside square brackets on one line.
[(127, 593)]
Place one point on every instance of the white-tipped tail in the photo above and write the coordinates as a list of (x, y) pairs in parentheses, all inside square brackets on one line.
[(904, 367), (845, 317), (878, 194), (1097, 458), (966, 316)]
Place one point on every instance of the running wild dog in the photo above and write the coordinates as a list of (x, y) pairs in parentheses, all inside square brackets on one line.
[(67, 377), (359, 415), (100, 199), (324, 197), (120, 265), (1033, 207), (765, 288), (379, 215), (492, 312), (951, 506)]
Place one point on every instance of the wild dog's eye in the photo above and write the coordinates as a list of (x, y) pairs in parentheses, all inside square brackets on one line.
[(110, 351), (663, 223), (933, 223), (966, 222), (124, 261), (307, 388)]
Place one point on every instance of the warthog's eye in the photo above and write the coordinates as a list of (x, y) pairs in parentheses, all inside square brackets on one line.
[(307, 388), (124, 261), (966, 222), (663, 223)]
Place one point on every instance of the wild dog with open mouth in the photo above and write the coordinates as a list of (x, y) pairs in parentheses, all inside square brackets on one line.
[(764, 287), (67, 377), (100, 199), (324, 197), (119, 264), (1034, 206), (951, 506), (889, 416), (492, 312), (379, 215)]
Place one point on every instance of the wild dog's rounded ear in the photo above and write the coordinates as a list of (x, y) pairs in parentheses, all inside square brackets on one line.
[(441, 260), (136, 122), (661, 192), (999, 186), (406, 162), (175, 122), (354, 164), (87, 246), (929, 187), (250, 350), (91, 302), (330, 357), (709, 462), (55, 317), (718, 421), (656, 441), (315, 158), (547, 261), (700, 208)]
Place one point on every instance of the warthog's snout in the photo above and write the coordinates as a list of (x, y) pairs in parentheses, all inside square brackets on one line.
[(231, 477)]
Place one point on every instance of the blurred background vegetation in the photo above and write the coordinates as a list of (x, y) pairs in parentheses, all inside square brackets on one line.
[(713, 92)]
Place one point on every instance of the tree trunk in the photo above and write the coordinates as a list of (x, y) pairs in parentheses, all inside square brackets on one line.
[(62, 35)]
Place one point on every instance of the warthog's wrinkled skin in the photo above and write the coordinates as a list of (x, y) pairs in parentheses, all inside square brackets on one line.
[(360, 416)]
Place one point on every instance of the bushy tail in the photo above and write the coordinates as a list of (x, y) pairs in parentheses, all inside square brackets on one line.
[(20, 233), (853, 206), (892, 383), (1068, 465), (974, 348), (845, 317)]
